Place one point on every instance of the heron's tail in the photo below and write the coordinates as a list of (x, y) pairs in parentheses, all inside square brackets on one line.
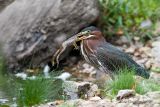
[(142, 72)]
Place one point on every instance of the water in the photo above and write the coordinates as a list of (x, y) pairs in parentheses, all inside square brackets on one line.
[(7, 84), (6, 89), (12, 88)]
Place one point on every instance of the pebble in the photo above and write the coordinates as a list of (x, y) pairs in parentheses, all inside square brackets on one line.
[(64, 76), (21, 75), (96, 98), (125, 93)]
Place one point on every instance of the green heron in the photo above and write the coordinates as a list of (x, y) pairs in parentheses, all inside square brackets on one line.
[(104, 56)]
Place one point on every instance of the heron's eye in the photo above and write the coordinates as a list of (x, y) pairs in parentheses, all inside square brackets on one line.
[(88, 31)]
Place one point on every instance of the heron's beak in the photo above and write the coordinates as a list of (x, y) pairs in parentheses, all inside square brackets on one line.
[(86, 37)]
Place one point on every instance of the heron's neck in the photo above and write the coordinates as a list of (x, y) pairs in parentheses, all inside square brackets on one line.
[(93, 43), (84, 51)]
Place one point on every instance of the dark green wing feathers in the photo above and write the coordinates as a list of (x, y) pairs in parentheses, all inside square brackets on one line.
[(112, 59)]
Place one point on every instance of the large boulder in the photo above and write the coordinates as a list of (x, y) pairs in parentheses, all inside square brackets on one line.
[(4, 3), (32, 30)]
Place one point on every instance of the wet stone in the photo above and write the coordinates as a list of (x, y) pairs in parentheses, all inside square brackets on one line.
[(75, 90)]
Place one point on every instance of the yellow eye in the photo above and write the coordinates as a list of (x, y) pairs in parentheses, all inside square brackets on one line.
[(88, 31)]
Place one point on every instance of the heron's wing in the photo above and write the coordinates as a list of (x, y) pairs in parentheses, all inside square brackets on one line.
[(112, 58)]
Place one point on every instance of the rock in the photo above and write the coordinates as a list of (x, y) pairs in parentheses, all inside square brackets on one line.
[(156, 52), (148, 64), (144, 49), (88, 69), (151, 99), (154, 95), (124, 105), (146, 24), (93, 90), (75, 90), (147, 100), (82, 71), (156, 105), (21, 75), (2, 101), (123, 40), (4, 3), (31, 30), (96, 98), (137, 54), (136, 38), (46, 71), (71, 89), (130, 50), (91, 103), (64, 76), (125, 93), (141, 61)]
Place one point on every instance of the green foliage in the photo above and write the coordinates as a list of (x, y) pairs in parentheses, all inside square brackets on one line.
[(150, 85), (124, 80), (156, 69), (4, 106), (125, 16), (37, 91), (140, 89)]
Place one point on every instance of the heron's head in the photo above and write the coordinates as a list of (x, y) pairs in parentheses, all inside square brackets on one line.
[(90, 32)]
